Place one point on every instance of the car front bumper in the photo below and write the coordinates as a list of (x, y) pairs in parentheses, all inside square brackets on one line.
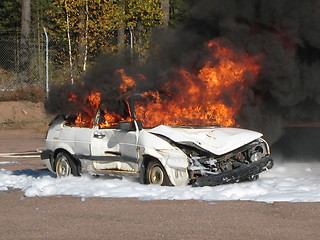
[(236, 175)]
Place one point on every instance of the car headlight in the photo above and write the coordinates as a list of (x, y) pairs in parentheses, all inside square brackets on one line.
[(256, 156)]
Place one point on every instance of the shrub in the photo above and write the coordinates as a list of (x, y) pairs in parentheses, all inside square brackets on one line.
[(27, 93)]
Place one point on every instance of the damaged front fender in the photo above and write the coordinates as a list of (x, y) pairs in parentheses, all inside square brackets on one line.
[(174, 162)]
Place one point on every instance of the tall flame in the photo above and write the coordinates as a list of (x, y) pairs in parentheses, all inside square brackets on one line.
[(211, 96), (199, 98)]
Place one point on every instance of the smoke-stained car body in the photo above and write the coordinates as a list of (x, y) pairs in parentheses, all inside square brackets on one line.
[(165, 155)]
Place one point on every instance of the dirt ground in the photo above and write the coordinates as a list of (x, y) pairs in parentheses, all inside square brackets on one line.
[(62, 217)]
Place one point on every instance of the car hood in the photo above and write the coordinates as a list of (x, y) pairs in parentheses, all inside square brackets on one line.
[(217, 140)]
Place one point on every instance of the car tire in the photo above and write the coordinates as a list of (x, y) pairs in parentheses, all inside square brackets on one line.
[(65, 166), (156, 174)]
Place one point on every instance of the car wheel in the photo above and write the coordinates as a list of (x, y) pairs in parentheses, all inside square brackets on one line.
[(156, 174), (65, 166)]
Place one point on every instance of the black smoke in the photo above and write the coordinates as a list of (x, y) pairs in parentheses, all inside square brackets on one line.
[(285, 33)]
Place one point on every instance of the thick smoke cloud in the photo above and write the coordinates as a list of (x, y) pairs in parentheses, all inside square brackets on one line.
[(285, 33)]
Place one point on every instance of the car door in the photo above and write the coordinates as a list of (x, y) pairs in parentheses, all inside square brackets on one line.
[(114, 149), (75, 139)]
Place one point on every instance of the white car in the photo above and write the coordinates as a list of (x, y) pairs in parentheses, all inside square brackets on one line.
[(164, 155)]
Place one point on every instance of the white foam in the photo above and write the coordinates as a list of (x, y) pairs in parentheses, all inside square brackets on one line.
[(293, 182)]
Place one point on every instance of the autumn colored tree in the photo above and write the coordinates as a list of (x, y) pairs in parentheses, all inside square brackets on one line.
[(80, 30), (89, 28)]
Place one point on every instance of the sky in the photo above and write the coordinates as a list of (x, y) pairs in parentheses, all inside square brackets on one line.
[(286, 182)]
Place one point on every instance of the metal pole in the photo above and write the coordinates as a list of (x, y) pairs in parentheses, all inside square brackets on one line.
[(131, 43), (47, 61)]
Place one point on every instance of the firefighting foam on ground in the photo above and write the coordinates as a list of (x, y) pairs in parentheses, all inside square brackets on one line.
[(290, 182)]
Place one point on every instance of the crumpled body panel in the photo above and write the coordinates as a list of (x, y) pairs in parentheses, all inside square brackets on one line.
[(217, 140)]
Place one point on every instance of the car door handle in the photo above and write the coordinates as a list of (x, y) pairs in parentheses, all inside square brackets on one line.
[(99, 135)]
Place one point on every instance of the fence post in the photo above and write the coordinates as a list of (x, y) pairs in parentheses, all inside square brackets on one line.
[(47, 61)]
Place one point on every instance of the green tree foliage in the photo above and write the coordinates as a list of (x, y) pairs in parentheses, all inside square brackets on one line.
[(10, 12), (179, 11)]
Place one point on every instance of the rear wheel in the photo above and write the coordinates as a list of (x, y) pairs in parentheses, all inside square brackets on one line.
[(65, 165), (156, 174)]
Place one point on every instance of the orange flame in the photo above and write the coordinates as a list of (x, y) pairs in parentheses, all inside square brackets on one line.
[(211, 96), (127, 81), (198, 99), (90, 108)]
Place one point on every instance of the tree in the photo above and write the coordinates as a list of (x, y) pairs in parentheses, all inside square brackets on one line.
[(121, 25), (179, 11), (142, 17), (10, 12), (89, 28), (24, 41), (165, 7)]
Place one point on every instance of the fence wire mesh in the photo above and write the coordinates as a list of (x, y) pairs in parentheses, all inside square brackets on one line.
[(21, 66)]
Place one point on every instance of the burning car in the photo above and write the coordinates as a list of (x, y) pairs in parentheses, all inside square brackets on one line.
[(164, 155), (168, 135)]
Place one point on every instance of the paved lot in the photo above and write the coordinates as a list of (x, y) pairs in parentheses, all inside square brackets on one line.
[(104, 218)]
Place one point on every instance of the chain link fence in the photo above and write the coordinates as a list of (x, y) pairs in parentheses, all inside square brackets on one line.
[(22, 67)]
